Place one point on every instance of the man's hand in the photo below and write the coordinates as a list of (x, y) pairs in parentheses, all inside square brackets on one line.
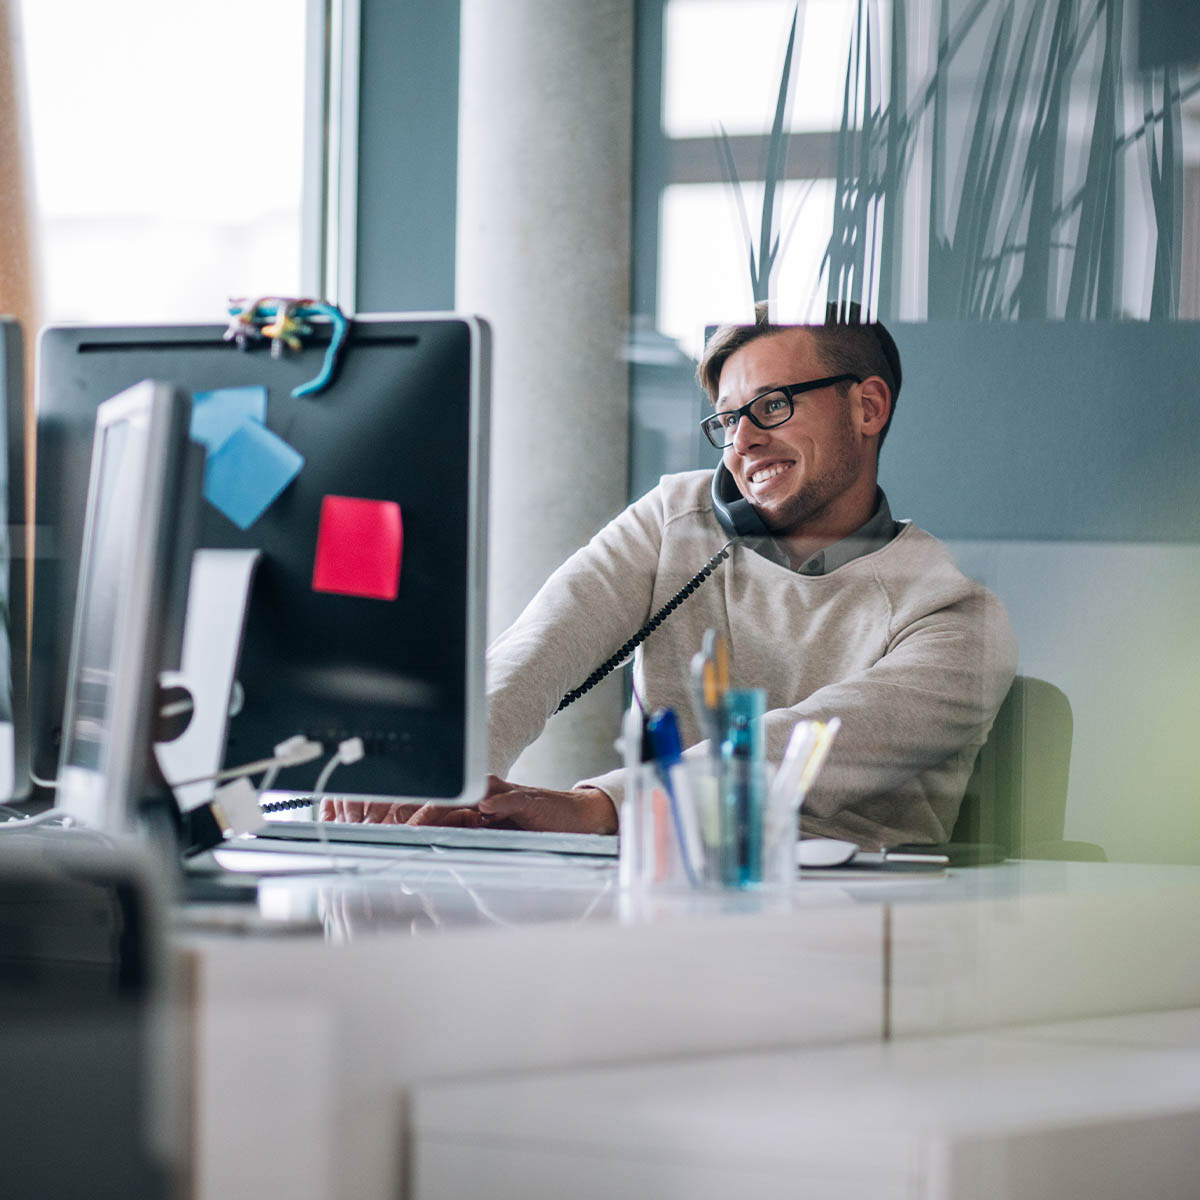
[(506, 805), (384, 812), (581, 810)]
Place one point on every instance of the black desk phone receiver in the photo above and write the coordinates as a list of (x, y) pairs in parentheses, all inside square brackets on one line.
[(738, 518), (735, 514)]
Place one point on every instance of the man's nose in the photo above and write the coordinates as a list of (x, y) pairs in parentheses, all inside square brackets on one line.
[(746, 434)]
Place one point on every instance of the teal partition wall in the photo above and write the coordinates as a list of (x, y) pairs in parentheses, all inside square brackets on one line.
[(1048, 431)]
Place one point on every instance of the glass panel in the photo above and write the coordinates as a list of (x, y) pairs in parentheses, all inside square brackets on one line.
[(168, 144), (1017, 195), (723, 60), (704, 277)]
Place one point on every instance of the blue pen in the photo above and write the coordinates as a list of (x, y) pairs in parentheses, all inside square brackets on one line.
[(663, 730)]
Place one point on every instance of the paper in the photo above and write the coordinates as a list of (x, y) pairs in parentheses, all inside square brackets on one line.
[(359, 547), (216, 415), (247, 471), (246, 465)]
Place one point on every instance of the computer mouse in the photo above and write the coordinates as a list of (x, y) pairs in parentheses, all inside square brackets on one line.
[(824, 852)]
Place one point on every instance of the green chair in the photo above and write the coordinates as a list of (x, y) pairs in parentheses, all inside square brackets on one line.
[(1016, 800)]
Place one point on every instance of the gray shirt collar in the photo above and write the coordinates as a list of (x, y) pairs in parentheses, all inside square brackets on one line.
[(872, 535)]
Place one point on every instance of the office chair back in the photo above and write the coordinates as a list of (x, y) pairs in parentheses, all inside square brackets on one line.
[(1016, 800)]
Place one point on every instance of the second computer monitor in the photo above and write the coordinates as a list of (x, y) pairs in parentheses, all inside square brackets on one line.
[(366, 616)]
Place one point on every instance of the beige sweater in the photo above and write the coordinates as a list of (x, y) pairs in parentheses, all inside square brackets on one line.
[(911, 655)]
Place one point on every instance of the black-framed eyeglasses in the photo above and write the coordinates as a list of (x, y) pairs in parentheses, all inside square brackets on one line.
[(766, 410)]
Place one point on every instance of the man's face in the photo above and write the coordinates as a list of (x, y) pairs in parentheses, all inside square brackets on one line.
[(814, 472)]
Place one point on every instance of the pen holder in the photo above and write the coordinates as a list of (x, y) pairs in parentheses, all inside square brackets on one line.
[(684, 829)]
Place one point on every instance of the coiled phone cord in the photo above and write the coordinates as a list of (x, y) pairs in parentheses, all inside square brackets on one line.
[(277, 806), (609, 665)]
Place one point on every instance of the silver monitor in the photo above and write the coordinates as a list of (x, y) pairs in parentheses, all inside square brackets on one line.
[(138, 534)]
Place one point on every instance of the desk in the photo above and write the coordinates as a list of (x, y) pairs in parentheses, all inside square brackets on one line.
[(1104, 1109), (442, 967)]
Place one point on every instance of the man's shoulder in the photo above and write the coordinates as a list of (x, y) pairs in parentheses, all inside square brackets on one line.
[(685, 493), (919, 545), (921, 567)]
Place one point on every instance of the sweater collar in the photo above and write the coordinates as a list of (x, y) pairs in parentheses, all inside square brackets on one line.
[(873, 534)]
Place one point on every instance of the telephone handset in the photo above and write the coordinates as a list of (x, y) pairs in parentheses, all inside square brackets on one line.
[(737, 517), (735, 514)]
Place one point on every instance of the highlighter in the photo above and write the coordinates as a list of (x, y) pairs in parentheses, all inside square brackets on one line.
[(743, 788)]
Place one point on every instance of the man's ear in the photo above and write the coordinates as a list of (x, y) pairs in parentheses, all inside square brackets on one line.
[(876, 404)]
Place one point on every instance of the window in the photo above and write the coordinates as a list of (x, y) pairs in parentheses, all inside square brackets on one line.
[(168, 154)]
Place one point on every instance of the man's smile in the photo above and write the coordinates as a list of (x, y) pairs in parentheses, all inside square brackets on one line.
[(761, 475)]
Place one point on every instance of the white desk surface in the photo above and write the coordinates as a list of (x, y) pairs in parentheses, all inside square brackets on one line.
[(442, 966), (411, 890), (1091, 1108)]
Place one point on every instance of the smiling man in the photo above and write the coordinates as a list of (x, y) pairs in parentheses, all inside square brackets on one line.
[(804, 454), (826, 602)]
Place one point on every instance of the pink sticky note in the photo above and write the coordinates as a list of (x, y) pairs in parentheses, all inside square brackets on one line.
[(359, 547)]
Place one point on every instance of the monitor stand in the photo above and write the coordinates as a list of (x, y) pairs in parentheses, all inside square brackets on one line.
[(174, 836), (218, 594)]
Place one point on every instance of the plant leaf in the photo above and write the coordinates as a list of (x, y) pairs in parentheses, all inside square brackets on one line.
[(776, 167), (1042, 166), (729, 167), (1090, 294), (891, 185), (1167, 190)]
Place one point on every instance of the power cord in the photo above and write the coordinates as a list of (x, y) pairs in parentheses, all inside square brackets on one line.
[(13, 824), (294, 752), (349, 751)]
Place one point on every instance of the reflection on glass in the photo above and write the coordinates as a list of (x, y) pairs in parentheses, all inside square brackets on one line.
[(1024, 214)]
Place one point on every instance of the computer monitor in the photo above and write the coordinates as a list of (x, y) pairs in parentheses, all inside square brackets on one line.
[(14, 714), (138, 533), (402, 429)]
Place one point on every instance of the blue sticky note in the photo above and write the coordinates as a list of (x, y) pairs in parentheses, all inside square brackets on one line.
[(217, 414), (247, 471)]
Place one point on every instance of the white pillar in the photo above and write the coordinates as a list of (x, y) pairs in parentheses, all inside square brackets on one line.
[(545, 146)]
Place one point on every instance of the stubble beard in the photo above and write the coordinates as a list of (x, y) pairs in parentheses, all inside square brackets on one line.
[(816, 495)]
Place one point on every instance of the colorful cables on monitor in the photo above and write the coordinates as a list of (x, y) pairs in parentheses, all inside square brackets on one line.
[(283, 321)]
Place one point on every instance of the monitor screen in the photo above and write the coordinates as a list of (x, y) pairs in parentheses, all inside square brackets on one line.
[(136, 539), (366, 611)]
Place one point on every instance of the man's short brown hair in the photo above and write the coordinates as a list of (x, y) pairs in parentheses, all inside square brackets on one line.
[(845, 346)]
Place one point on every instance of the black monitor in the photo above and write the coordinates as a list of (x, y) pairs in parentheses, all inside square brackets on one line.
[(14, 718), (390, 652), (138, 534)]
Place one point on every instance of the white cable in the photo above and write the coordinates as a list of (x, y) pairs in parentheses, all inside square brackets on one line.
[(349, 751), (301, 751), (51, 814), (293, 752), (52, 784)]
